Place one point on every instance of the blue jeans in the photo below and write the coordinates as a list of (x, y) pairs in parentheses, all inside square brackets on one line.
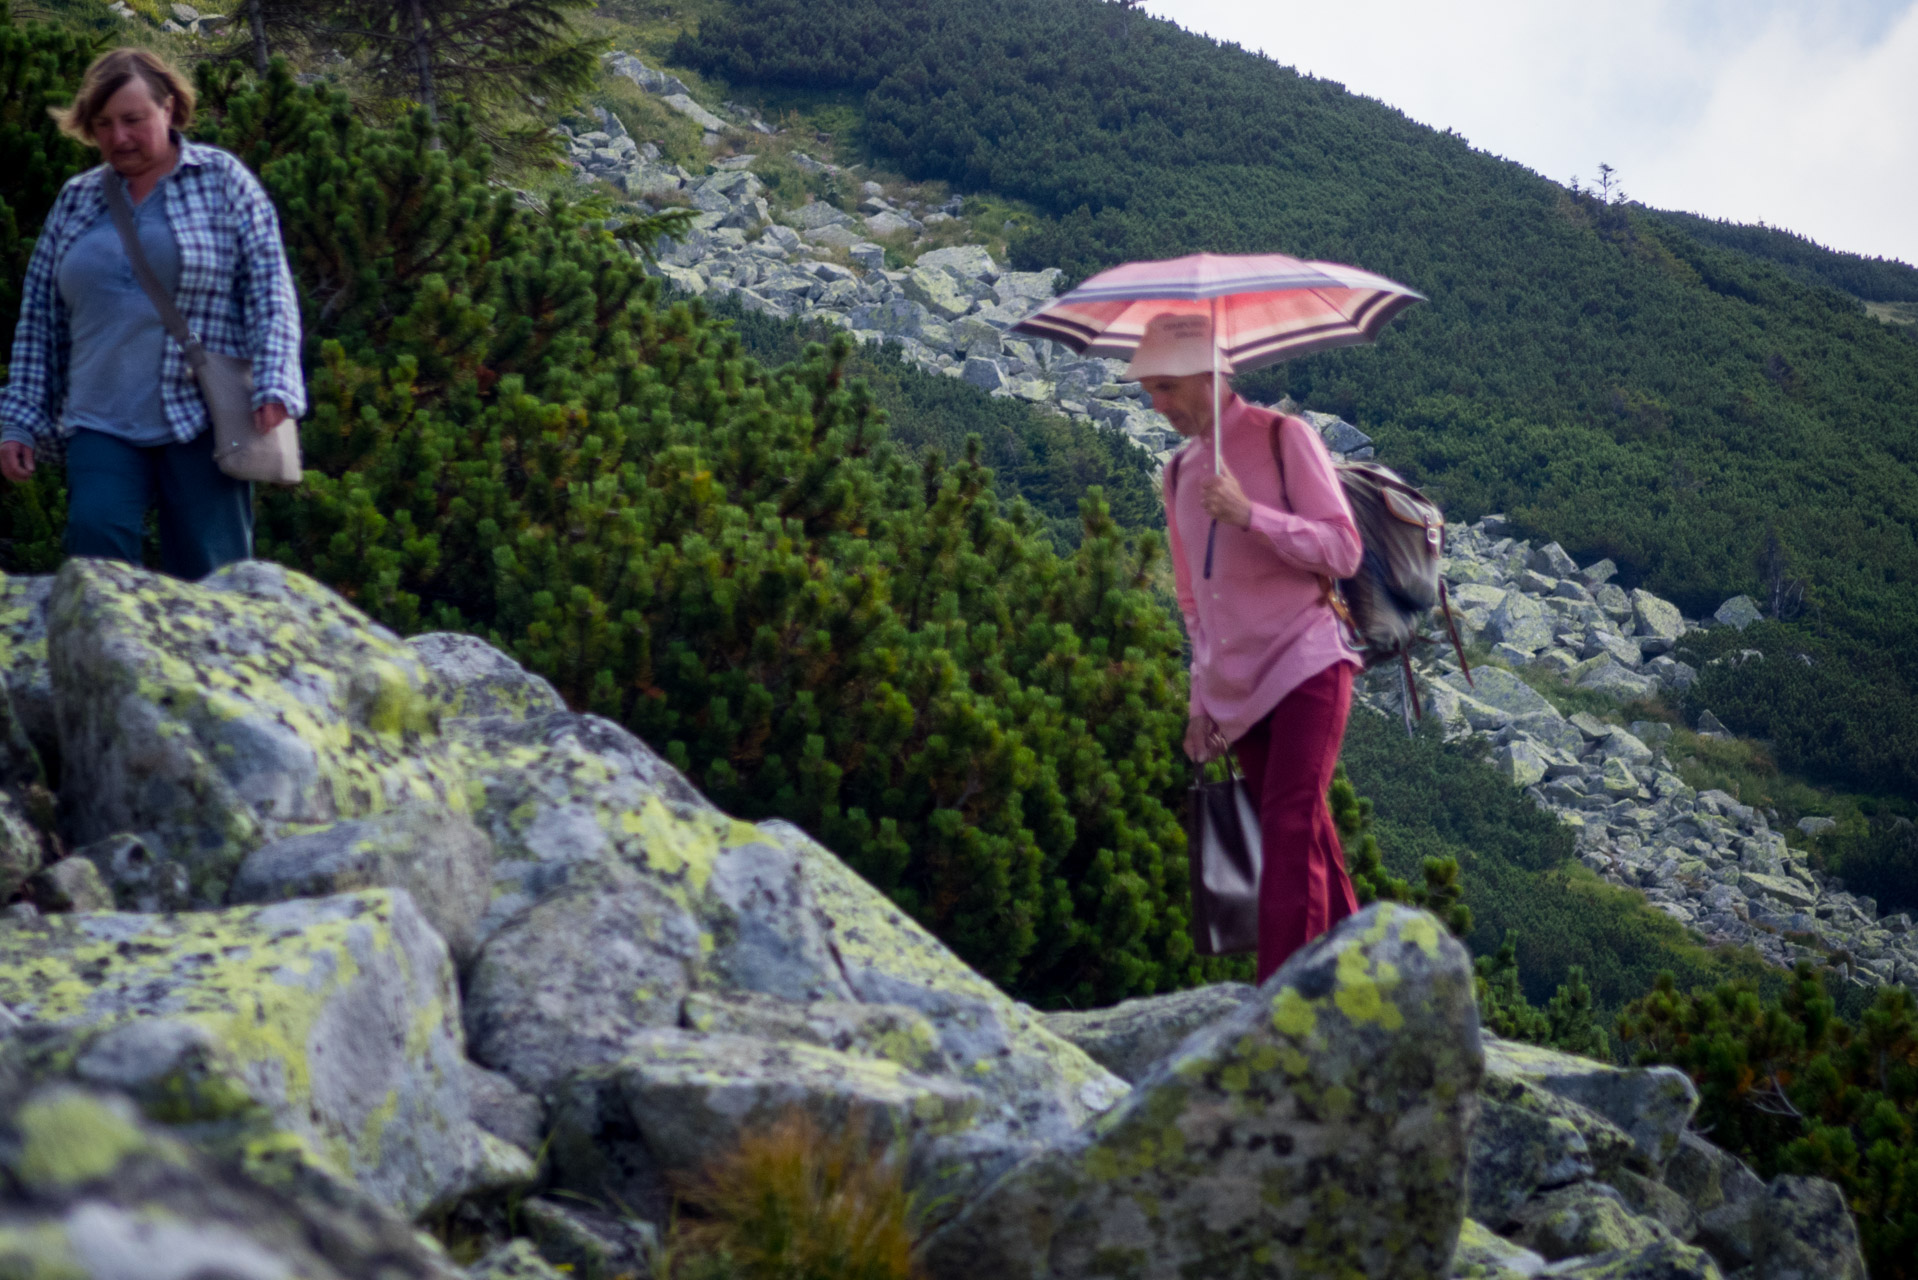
[(206, 516)]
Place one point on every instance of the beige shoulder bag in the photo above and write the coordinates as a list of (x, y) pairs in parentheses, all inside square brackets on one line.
[(226, 382)]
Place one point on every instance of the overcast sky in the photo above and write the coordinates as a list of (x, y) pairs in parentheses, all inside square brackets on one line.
[(1800, 115)]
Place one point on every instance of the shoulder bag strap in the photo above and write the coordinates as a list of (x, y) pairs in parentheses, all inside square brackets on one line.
[(1328, 594), (176, 325)]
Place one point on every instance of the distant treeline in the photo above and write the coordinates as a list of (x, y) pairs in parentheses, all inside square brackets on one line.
[(1872, 279)]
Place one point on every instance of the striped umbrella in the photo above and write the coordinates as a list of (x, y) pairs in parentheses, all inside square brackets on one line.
[(1264, 307)]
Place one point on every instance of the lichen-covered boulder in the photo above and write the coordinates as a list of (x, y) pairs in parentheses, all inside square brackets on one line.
[(890, 1032), (1484, 1255), (1129, 1038), (1722, 1191), (677, 901), (440, 858), (1663, 1259), (1039, 1089), (22, 847), (97, 1193), (571, 980), (558, 793), (692, 1095), (1319, 1130), (514, 1260), (205, 717), (23, 656), (472, 678), (322, 1031), (138, 878), (1582, 1219), (1804, 1231), (1528, 1140), (71, 884), (1652, 1199), (1651, 1105)]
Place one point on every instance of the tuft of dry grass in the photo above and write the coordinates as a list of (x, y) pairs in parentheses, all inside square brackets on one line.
[(794, 1202)]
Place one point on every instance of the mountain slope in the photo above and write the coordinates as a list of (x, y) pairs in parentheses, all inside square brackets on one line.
[(1607, 377)]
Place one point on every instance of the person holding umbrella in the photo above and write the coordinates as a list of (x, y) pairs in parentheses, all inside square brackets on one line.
[(1259, 529), (1271, 670)]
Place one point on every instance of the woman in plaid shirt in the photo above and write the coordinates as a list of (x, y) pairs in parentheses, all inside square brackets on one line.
[(94, 375)]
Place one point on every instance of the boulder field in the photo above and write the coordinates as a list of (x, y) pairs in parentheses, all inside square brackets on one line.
[(316, 936)]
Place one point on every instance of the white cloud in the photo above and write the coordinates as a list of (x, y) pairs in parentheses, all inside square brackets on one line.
[(1800, 115)]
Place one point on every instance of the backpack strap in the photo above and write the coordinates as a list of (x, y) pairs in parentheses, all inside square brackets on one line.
[(1451, 628), (1328, 594)]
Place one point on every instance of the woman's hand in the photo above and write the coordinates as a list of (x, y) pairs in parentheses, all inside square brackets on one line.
[(1204, 742), (268, 416), (16, 461), (1223, 500)]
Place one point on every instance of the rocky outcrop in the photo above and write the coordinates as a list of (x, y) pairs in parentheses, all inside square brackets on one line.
[(96, 1191), (453, 946), (1319, 1129), (1129, 1039), (322, 1030)]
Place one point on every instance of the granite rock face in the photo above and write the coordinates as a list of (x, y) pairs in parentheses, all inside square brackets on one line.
[(1319, 1129), (97, 1193), (1129, 1039), (208, 718), (441, 859), (322, 1031)]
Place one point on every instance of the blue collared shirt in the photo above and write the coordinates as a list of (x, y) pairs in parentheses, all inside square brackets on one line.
[(117, 342), (235, 291)]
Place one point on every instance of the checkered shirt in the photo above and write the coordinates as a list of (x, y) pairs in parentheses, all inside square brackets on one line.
[(235, 292)]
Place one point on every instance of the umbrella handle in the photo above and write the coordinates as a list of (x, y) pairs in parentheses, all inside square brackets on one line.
[(1211, 536)]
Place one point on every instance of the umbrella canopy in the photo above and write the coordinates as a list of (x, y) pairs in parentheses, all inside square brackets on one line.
[(1264, 307)]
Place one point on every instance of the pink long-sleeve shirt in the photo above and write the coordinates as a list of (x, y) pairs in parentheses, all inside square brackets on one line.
[(1260, 626)]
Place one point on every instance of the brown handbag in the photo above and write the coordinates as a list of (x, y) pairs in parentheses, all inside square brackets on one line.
[(1223, 852), (226, 382)]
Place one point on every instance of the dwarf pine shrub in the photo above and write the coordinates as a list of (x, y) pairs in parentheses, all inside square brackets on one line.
[(513, 435)]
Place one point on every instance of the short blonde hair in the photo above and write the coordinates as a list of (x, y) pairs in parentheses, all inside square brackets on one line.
[(114, 71)]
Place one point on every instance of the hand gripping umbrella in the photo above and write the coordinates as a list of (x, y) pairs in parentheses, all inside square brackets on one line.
[(1264, 308)]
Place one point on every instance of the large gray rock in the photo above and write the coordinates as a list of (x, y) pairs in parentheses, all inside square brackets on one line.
[(1520, 621), (938, 291), (1618, 681), (23, 656), (325, 1031), (206, 718), (97, 1193), (1739, 612), (811, 217), (1529, 1140), (1664, 1259), (1320, 1129), (1579, 1220), (1129, 1039), (1803, 1230), (1723, 1192), (1497, 687), (1650, 1105), (1654, 617), (472, 678), (1484, 1255), (441, 859), (967, 261)]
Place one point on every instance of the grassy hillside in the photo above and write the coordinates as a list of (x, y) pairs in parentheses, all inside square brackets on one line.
[(1625, 383)]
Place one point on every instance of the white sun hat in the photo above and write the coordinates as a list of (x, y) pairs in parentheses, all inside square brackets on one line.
[(1175, 346)]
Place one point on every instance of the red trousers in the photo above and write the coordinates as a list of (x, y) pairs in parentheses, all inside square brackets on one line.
[(1288, 758)]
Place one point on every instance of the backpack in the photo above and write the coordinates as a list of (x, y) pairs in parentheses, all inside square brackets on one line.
[(1398, 581)]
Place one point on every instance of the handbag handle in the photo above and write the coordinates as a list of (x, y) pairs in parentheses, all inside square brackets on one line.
[(176, 325)]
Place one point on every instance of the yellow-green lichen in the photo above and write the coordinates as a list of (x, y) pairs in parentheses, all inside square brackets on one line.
[(39, 1251), (1363, 993), (68, 1138)]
